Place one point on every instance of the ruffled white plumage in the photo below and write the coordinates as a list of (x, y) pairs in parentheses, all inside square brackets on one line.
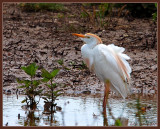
[(103, 60)]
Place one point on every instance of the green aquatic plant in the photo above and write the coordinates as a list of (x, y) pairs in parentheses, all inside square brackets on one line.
[(30, 86), (52, 94)]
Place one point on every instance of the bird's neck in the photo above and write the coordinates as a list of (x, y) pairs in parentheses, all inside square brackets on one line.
[(92, 45)]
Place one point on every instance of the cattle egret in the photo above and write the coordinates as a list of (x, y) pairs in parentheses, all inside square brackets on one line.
[(109, 64)]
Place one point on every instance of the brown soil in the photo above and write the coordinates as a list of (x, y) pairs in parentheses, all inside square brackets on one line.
[(45, 37)]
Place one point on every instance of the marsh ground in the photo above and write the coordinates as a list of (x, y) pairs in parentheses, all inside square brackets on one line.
[(45, 37)]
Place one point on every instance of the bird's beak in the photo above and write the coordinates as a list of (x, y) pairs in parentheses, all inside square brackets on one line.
[(79, 35)]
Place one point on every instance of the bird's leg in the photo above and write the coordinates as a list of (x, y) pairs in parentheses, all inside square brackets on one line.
[(106, 93)]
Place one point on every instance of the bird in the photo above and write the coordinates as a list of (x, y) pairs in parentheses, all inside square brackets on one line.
[(108, 62)]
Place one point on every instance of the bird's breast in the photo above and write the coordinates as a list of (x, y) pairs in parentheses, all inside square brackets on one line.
[(87, 55)]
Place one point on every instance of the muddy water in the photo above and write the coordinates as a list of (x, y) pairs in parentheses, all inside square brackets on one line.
[(78, 111)]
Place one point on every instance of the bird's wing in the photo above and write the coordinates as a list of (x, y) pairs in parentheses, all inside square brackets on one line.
[(116, 60)]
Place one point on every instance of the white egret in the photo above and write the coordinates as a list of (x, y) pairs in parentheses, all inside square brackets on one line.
[(109, 64)]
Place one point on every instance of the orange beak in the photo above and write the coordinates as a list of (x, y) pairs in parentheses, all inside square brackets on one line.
[(79, 35)]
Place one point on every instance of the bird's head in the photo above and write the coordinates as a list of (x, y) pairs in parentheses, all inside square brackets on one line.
[(89, 38)]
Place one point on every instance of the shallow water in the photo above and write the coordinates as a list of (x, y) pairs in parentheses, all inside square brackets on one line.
[(78, 111)]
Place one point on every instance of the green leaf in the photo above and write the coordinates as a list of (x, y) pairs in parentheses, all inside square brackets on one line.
[(26, 82), (59, 94), (23, 81), (23, 101), (66, 68), (19, 81), (46, 94), (54, 85), (45, 80), (48, 85), (56, 92), (36, 82), (156, 5), (118, 122), (54, 72), (155, 16), (60, 62), (46, 74), (31, 69)]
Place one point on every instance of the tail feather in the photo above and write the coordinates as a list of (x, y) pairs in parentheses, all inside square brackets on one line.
[(117, 87)]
